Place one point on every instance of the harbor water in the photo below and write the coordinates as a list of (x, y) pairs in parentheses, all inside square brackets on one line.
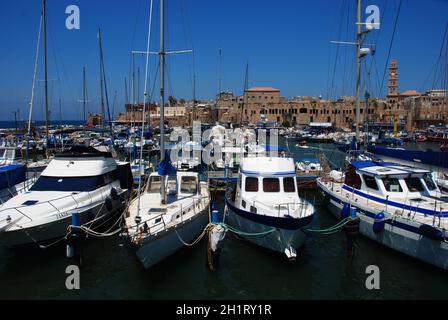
[(322, 269)]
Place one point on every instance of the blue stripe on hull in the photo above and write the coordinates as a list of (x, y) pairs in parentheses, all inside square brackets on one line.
[(395, 204), (371, 215)]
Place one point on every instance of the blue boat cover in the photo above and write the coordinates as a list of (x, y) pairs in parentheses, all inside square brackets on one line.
[(11, 175), (433, 158)]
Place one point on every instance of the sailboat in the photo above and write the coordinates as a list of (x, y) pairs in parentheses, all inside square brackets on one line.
[(173, 208)]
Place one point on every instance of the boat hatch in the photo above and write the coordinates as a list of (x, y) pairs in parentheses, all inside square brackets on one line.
[(417, 200), (157, 210), (30, 202), (384, 170)]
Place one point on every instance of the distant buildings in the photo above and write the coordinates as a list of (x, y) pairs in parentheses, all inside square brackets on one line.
[(265, 104)]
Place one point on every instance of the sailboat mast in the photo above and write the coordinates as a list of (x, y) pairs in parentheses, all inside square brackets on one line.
[(162, 95), (34, 78), (84, 92), (358, 65), (44, 4), (101, 78)]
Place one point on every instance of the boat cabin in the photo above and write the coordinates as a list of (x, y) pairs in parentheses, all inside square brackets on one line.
[(266, 185), (183, 184), (390, 180)]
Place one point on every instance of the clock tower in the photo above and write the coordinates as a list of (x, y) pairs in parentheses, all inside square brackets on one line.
[(392, 88)]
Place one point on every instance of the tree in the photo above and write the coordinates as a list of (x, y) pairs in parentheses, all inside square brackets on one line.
[(172, 100), (182, 101)]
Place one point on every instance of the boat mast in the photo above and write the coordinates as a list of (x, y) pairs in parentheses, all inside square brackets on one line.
[(84, 92), (34, 79), (358, 65), (45, 68), (162, 96), (101, 79), (145, 96)]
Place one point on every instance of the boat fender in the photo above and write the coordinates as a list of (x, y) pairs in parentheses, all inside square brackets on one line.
[(345, 211), (379, 222), (114, 193), (431, 232), (108, 203)]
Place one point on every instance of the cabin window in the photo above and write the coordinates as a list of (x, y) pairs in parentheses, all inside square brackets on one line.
[(414, 184), (271, 185), (253, 209), (74, 184), (251, 184), (188, 185), (370, 182), (289, 185), (154, 184), (392, 185), (429, 182), (243, 203), (239, 180)]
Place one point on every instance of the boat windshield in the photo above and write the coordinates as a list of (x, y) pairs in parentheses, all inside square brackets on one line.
[(414, 184), (392, 184), (271, 185), (429, 182), (289, 184), (154, 184), (73, 184), (188, 185)]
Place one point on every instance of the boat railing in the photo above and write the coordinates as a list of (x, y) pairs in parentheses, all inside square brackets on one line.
[(293, 209), (51, 203)]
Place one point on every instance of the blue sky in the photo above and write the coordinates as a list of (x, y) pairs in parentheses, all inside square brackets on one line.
[(287, 45)]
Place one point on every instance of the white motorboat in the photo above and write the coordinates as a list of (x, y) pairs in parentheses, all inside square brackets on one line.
[(81, 180), (266, 205), (399, 206)]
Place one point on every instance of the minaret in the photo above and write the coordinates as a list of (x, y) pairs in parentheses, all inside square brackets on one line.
[(392, 88)]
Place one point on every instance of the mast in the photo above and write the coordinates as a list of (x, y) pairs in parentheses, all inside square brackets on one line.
[(34, 78), (145, 96), (162, 96), (60, 113), (194, 99), (246, 81), (358, 65), (45, 67), (84, 92), (101, 78), (220, 73)]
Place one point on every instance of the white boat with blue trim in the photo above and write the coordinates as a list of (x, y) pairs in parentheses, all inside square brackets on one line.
[(400, 207), (265, 206)]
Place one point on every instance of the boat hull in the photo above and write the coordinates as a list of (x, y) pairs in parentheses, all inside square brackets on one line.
[(399, 234), (285, 239), (55, 230), (156, 247)]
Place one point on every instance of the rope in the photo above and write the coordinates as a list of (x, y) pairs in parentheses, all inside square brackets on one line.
[(242, 233), (199, 238), (333, 229)]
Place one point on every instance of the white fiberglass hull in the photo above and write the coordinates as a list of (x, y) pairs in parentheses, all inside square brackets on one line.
[(58, 228), (401, 234), (156, 247)]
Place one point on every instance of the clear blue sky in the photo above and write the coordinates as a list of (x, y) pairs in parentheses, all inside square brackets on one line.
[(287, 44)]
